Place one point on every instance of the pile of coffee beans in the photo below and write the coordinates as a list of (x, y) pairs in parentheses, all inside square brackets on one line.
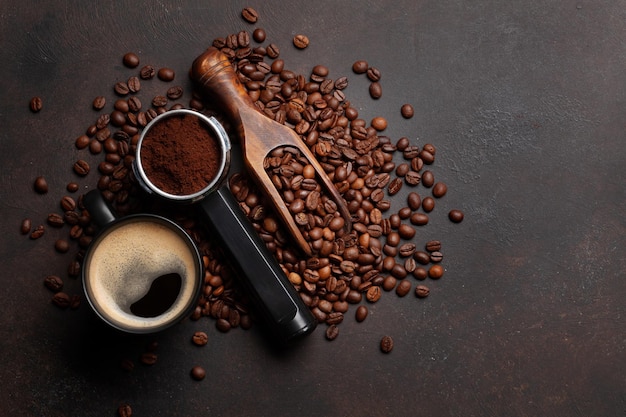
[(378, 255)]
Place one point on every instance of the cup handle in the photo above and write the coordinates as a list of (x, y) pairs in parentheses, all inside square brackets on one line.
[(273, 295), (99, 210)]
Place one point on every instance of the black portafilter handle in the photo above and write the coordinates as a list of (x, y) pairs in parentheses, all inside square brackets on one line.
[(274, 297)]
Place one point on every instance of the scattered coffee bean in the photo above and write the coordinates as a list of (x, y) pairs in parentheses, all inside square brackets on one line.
[(361, 313), (41, 185), (422, 291), (72, 187), (435, 271), (198, 373), (403, 288), (386, 344), (373, 74), (301, 41), (26, 226), (61, 245), (37, 233), (379, 123), (433, 245), (428, 204), (55, 220), (53, 283), (81, 167), (148, 358), (124, 410), (166, 74), (436, 257), (456, 216), (200, 338), (373, 294), (99, 102), (332, 332), (147, 72), (121, 88), (407, 111), (61, 300), (35, 104), (360, 67), (419, 219), (250, 15), (134, 85), (174, 93), (376, 90), (130, 60), (440, 189)]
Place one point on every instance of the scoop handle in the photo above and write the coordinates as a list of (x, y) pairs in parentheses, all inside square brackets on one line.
[(274, 297), (215, 77)]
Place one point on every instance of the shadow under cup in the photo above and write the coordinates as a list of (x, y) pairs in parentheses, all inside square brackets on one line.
[(142, 274)]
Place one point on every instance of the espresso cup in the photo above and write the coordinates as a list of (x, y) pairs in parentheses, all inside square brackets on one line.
[(142, 273)]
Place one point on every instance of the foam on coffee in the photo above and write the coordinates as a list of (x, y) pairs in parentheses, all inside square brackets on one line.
[(123, 264)]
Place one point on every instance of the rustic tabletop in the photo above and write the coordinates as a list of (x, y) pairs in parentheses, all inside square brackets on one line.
[(525, 104)]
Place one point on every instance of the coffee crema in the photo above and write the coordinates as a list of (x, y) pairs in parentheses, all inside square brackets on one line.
[(123, 269)]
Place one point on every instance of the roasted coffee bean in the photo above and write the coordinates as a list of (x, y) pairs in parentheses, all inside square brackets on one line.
[(53, 283), (402, 169), (419, 219), (130, 60), (223, 325), (259, 35), (360, 67), (414, 201), (361, 313), (386, 344), (456, 216), (422, 291), (433, 245), (410, 265), (428, 204), (61, 300), (37, 233), (428, 179), (373, 74), (403, 288), (147, 72), (436, 257), (148, 358), (273, 51), (394, 186), (174, 93), (40, 185), (376, 90), (61, 245), (159, 101), (82, 142), (26, 226), (73, 269), (81, 167), (249, 14), (99, 102), (198, 373), (420, 273), (166, 74), (332, 332), (68, 203), (406, 232), (407, 249), (121, 88), (422, 257), (406, 111), (440, 189), (373, 294), (435, 271), (124, 410), (412, 178), (35, 104), (200, 338), (379, 123), (389, 283), (55, 220), (301, 41)]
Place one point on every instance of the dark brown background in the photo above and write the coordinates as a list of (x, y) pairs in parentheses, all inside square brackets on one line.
[(525, 102)]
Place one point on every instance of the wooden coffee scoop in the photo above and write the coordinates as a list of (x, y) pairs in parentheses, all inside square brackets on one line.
[(259, 135)]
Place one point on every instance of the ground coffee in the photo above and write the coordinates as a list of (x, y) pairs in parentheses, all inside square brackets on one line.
[(180, 155)]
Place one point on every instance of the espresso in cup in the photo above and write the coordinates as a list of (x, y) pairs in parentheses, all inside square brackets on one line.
[(142, 274)]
